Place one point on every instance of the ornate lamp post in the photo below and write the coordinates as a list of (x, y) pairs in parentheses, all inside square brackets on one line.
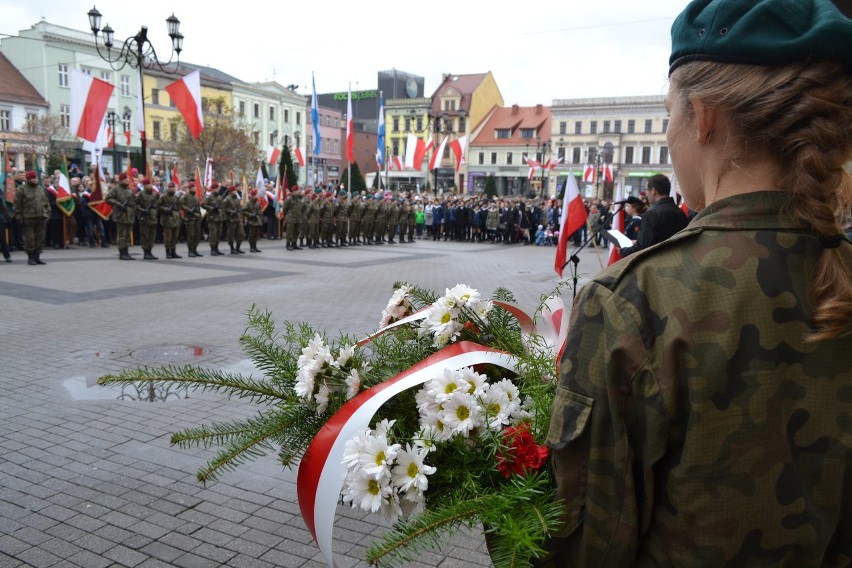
[(113, 117), (137, 52)]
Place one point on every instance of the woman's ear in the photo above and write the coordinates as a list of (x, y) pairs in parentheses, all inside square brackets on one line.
[(705, 120)]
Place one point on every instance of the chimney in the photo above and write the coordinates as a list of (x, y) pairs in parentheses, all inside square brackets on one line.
[(445, 77), (539, 109), (515, 109)]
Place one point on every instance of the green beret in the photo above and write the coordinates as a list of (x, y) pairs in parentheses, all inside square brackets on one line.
[(760, 32)]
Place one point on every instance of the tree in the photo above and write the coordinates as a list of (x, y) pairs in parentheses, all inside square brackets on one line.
[(285, 164), (358, 183), (378, 181), (491, 186), (225, 139), (41, 133)]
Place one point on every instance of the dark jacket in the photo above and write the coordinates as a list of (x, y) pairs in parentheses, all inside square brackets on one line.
[(660, 222)]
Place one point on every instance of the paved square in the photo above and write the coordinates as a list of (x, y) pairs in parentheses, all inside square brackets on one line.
[(88, 480)]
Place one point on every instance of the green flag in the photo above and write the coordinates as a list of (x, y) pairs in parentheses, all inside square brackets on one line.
[(64, 198)]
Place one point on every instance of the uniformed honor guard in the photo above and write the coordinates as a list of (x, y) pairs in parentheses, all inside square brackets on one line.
[(293, 212), (234, 216), (191, 208), (146, 207), (123, 201), (170, 219), (213, 206), (32, 209), (255, 220)]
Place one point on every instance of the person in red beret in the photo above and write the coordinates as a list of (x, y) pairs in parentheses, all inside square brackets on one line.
[(32, 209), (123, 201), (252, 212)]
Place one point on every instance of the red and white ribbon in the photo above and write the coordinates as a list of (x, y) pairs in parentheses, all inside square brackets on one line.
[(321, 472)]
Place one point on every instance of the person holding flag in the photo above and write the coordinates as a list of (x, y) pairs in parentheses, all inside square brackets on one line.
[(32, 210)]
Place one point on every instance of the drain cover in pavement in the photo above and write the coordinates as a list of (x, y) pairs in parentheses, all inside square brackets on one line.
[(169, 353)]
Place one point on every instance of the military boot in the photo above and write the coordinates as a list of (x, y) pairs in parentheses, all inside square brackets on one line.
[(254, 249), (31, 259), (148, 255), (175, 254), (240, 251), (195, 250), (123, 255), (233, 250), (169, 253), (190, 253), (38, 258)]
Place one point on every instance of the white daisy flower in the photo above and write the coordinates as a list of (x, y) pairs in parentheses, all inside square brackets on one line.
[(310, 351), (444, 385), (509, 388), (345, 354), (305, 380), (434, 423), (354, 448), (482, 308), (378, 456), (461, 413), (497, 407), (426, 439), (463, 294), (353, 384), (321, 398), (390, 509), (383, 427), (366, 492), (476, 381), (410, 471)]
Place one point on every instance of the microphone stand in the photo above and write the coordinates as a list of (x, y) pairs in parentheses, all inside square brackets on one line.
[(574, 260)]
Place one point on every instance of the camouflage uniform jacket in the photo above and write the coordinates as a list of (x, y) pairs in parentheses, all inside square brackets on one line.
[(693, 425), (123, 202), (190, 206), (213, 206), (146, 206), (252, 212), (31, 202), (169, 206)]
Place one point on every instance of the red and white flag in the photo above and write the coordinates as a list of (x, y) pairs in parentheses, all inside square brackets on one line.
[(272, 154), (89, 98), (186, 94), (127, 138), (533, 164), (176, 179), (396, 164), (140, 115), (420, 153), (574, 216), (607, 173), (208, 174), (617, 224), (350, 129), (260, 187), (589, 174), (438, 155), (458, 146), (411, 150), (552, 163), (300, 155)]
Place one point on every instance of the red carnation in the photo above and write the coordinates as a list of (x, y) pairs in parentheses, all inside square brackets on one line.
[(520, 452)]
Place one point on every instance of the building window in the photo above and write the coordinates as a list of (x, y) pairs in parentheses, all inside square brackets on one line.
[(575, 155), (65, 115), (271, 139), (578, 127), (298, 118), (286, 115), (155, 96), (271, 113), (665, 125), (481, 157), (256, 110), (242, 107), (563, 127), (664, 154), (125, 85), (631, 126), (31, 122), (461, 125), (219, 106), (527, 133), (173, 132), (156, 124), (617, 127), (646, 154), (628, 155), (593, 155), (337, 146), (606, 125), (493, 158), (419, 124), (407, 124), (5, 120), (395, 147), (510, 158), (593, 127), (63, 75), (106, 76), (396, 124), (648, 125), (125, 123), (502, 133)]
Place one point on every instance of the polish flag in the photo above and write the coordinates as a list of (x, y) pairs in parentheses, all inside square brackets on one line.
[(437, 155), (607, 172), (260, 186), (272, 154), (396, 164), (186, 94), (458, 146), (589, 174), (350, 129), (617, 224), (140, 115), (574, 216), (300, 155), (127, 138), (533, 164), (551, 164), (415, 151), (89, 99), (420, 152), (176, 179), (110, 138)]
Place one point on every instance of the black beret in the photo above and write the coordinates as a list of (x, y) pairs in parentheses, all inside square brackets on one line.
[(760, 32)]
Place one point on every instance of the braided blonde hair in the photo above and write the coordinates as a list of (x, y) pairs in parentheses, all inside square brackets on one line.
[(800, 117)]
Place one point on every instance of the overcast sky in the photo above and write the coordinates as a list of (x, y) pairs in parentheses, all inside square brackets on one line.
[(537, 52)]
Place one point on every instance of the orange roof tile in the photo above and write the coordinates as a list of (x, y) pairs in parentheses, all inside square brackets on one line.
[(515, 118), (14, 87)]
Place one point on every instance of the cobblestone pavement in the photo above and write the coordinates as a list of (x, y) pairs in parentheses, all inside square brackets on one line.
[(89, 480)]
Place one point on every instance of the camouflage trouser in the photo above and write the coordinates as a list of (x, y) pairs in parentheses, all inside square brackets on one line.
[(170, 237), (253, 231), (34, 231), (147, 233), (313, 232), (354, 229), (235, 233), (340, 229), (294, 231), (214, 231), (193, 233), (122, 234)]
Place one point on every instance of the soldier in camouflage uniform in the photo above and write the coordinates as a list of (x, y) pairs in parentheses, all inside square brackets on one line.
[(354, 209), (341, 219), (293, 212), (169, 206), (408, 212), (380, 220), (191, 208), (326, 220), (252, 212), (146, 207), (368, 219), (703, 412), (32, 209), (312, 224), (213, 206), (123, 201), (393, 218), (233, 211)]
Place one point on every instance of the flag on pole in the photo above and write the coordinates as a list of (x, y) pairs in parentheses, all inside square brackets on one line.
[(533, 164), (259, 186), (175, 179), (411, 149), (350, 129), (8, 179), (589, 174), (607, 172), (88, 99), (396, 164), (380, 151), (96, 200), (140, 107), (300, 156), (420, 152), (573, 217), (186, 94), (437, 155), (457, 146), (272, 154), (617, 223), (315, 119), (64, 198), (208, 173), (199, 181)]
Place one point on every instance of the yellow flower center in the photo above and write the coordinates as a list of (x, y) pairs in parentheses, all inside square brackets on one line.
[(463, 412), (446, 318), (380, 458), (413, 470), (450, 388), (373, 487), (494, 408)]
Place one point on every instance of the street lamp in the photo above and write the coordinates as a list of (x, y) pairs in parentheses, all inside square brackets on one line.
[(542, 150), (112, 118), (137, 52)]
